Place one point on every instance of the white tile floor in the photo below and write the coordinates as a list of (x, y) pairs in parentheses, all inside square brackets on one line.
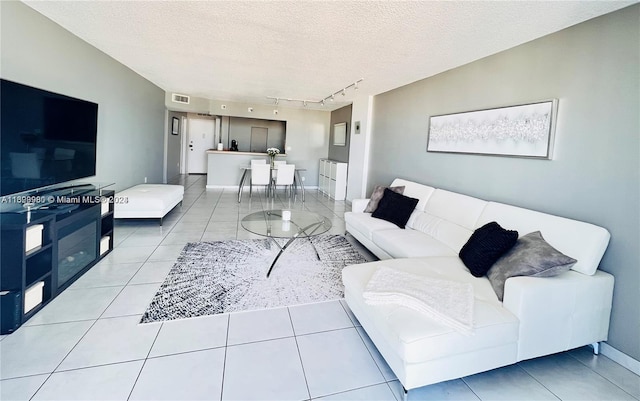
[(87, 343)]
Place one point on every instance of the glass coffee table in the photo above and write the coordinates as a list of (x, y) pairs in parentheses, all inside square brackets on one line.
[(300, 224)]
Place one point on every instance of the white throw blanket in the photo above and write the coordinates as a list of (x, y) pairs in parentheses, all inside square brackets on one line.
[(448, 302)]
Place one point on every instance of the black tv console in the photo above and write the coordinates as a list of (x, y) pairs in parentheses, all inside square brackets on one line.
[(46, 249)]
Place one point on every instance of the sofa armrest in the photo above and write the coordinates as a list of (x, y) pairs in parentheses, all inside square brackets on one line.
[(358, 205), (559, 313)]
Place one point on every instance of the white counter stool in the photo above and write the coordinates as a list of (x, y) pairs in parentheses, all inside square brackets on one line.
[(276, 163), (284, 177), (260, 175), (254, 162)]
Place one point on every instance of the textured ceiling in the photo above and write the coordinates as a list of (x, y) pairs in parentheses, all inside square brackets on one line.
[(248, 50)]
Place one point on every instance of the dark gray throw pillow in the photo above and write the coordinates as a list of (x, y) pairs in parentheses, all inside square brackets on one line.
[(485, 246), (377, 194), (395, 208), (530, 256)]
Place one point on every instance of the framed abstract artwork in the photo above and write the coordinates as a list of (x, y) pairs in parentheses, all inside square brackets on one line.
[(525, 130), (175, 126), (340, 134)]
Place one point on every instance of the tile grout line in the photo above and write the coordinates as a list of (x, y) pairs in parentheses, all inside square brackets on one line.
[(295, 338), (536, 380), (393, 393), (352, 389), (370, 353), (100, 365), (224, 361), (468, 387), (63, 359), (598, 373), (144, 362), (185, 352)]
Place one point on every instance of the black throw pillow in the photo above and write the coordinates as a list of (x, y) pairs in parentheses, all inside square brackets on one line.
[(377, 194), (485, 246), (395, 208)]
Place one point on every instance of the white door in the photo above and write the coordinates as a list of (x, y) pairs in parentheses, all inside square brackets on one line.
[(201, 138)]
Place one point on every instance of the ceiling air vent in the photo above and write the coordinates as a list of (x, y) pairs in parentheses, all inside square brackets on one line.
[(184, 99)]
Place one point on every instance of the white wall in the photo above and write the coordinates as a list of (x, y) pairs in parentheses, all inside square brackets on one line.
[(359, 147), (593, 69), (131, 113)]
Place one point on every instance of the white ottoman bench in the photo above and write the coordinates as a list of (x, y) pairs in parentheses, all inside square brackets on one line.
[(147, 201)]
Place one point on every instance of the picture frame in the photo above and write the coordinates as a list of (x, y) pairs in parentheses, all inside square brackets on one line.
[(175, 126), (340, 134), (523, 130)]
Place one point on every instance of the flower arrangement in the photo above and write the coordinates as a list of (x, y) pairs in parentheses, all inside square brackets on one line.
[(272, 152)]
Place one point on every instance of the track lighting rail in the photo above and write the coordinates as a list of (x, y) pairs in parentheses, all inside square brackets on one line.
[(322, 102)]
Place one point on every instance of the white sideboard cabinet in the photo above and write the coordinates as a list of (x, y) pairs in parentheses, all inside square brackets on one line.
[(332, 179)]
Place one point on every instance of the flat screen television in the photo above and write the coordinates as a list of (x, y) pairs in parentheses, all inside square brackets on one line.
[(45, 138)]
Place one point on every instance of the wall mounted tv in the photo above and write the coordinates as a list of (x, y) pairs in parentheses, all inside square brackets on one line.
[(45, 138)]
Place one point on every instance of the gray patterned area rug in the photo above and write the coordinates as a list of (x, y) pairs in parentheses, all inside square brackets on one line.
[(227, 276)]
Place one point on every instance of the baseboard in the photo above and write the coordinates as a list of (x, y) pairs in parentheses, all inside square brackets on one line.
[(620, 358)]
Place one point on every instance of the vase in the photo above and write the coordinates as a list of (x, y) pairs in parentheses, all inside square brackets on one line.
[(272, 159)]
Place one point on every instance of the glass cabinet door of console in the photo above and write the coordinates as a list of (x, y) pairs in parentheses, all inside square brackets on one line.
[(77, 248)]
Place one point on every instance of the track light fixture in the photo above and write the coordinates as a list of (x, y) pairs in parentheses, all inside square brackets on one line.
[(321, 102)]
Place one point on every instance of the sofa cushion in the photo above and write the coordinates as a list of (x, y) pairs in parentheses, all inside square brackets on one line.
[(377, 194), (416, 338), (582, 241), (415, 190), (367, 225), (410, 243), (395, 208), (531, 256), (485, 246), (452, 235), (460, 209)]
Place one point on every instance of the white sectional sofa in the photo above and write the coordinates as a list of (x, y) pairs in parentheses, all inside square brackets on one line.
[(538, 315)]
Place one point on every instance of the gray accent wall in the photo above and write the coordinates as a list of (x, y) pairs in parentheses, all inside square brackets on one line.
[(341, 115), (131, 111), (593, 69), (240, 130)]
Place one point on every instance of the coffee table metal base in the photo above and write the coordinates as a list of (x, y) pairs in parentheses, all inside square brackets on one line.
[(302, 230), (270, 223), (284, 248)]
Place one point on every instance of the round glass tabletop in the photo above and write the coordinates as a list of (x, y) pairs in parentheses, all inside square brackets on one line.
[(301, 223)]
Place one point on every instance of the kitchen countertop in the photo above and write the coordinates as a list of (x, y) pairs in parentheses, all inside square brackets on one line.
[(226, 152)]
